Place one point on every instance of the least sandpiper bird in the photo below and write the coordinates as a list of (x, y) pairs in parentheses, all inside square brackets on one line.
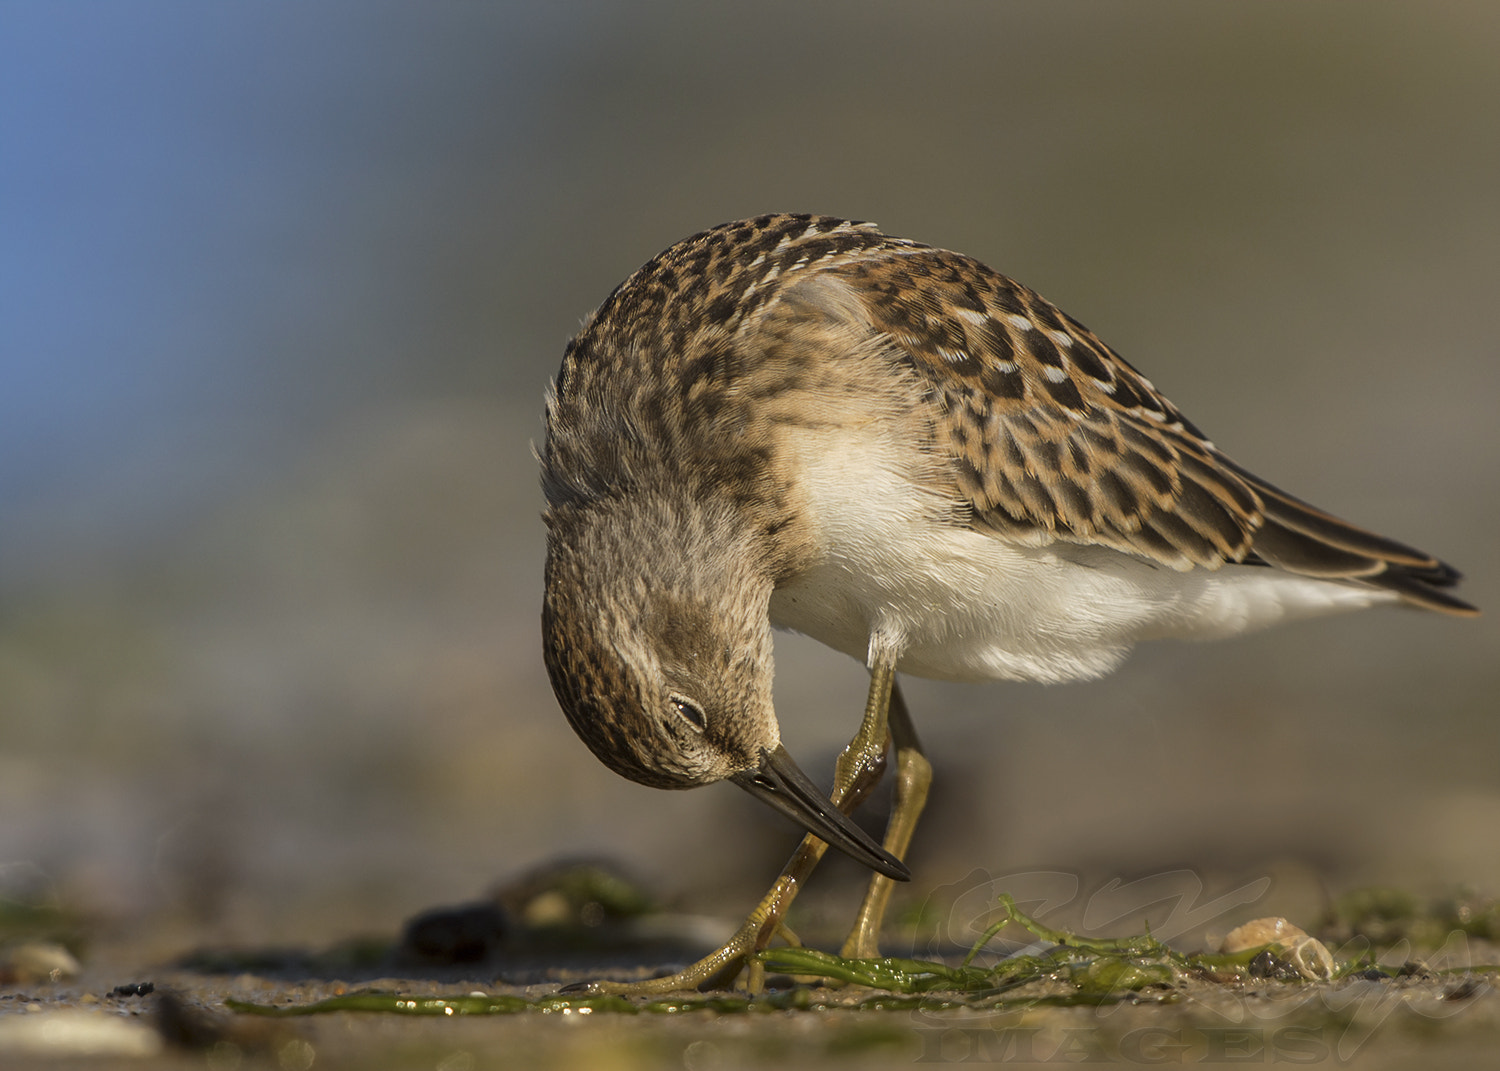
[(798, 421)]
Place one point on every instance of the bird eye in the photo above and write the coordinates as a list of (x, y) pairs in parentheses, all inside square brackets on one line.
[(691, 712)]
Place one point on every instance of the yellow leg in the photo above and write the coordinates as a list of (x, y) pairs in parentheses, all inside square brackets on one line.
[(857, 771), (913, 776)]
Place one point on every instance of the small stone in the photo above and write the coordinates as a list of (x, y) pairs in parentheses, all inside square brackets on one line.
[(69, 1033), (133, 989), (464, 934), (38, 961)]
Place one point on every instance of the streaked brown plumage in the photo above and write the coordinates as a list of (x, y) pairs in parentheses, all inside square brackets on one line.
[(799, 420)]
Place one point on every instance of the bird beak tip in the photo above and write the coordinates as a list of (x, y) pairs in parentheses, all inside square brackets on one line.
[(779, 782)]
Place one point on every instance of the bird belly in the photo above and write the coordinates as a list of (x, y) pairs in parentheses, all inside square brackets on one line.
[(896, 574), (967, 606)]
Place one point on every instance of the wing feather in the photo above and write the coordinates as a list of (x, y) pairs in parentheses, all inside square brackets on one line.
[(1052, 435)]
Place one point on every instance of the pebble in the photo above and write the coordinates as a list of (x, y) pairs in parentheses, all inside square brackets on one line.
[(77, 1033)]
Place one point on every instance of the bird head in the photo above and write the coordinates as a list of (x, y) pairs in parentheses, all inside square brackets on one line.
[(660, 656)]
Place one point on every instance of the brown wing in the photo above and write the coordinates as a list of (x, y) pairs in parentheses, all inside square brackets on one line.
[(1054, 436)]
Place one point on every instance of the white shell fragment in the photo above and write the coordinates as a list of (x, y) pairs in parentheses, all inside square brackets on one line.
[(1307, 954)]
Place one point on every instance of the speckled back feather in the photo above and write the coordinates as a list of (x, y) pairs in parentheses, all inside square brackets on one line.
[(1050, 434)]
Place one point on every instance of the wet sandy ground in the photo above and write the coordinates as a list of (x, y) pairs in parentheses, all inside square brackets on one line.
[(132, 1007), (1376, 1024)]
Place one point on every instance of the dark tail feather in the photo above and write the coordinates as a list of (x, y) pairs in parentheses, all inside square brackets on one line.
[(1301, 538)]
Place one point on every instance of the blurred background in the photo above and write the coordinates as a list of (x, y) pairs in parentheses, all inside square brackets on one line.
[(281, 287)]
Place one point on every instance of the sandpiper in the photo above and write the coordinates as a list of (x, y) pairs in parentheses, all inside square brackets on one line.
[(798, 421)]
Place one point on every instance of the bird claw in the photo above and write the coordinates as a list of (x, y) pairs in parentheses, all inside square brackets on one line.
[(716, 970)]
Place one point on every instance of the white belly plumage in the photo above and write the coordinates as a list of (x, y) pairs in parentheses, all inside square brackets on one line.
[(970, 607), (956, 603)]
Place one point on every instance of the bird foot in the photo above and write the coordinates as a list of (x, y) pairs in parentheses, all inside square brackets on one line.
[(714, 971)]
